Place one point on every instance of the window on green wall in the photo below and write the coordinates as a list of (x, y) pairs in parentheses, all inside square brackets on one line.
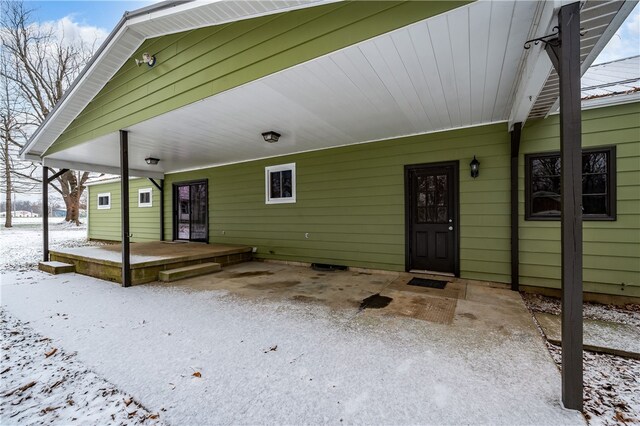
[(280, 184), (145, 197), (104, 200), (542, 183)]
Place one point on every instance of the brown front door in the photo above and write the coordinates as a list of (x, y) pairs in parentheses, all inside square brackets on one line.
[(432, 216)]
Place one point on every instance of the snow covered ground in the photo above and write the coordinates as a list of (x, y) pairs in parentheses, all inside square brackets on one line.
[(611, 383), (283, 362), (42, 384), (21, 246)]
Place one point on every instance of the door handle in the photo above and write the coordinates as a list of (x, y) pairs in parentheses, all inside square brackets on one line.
[(451, 228)]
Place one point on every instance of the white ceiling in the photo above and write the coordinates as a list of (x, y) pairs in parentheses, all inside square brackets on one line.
[(458, 69)]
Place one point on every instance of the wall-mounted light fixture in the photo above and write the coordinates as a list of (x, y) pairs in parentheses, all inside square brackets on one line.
[(475, 167), (151, 161), (271, 136), (146, 59)]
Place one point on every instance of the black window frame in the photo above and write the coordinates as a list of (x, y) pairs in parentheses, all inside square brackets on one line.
[(611, 185)]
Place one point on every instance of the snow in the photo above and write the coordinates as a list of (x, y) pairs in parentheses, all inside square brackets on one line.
[(21, 246), (41, 389), (611, 383), (283, 362), (109, 255)]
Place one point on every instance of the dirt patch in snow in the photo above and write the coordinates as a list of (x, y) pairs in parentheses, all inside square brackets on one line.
[(42, 384)]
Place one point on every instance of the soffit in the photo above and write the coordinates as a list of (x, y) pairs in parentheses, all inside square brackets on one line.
[(596, 18), (454, 70)]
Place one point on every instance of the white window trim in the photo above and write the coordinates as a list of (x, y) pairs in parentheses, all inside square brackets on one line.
[(267, 183), (142, 191), (105, 207)]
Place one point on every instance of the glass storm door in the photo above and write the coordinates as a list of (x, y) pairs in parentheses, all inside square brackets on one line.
[(191, 211), (431, 216)]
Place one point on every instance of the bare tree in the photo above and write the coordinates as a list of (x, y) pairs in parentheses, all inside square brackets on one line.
[(39, 65)]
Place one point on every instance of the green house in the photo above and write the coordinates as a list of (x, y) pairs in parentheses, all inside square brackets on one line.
[(403, 136)]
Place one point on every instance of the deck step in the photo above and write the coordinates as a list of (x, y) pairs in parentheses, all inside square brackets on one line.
[(188, 271), (55, 268)]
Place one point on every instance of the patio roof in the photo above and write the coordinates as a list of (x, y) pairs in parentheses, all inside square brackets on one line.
[(466, 67)]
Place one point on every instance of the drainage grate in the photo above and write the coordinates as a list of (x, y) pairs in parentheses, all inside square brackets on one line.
[(323, 267), (425, 282)]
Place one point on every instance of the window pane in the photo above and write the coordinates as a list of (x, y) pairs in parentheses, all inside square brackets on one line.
[(594, 204), (287, 185), (442, 215), (546, 184), (545, 204), (145, 197), (546, 166), (276, 191), (422, 215), (594, 162), (594, 184)]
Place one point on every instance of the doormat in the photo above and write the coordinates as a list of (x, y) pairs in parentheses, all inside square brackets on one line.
[(425, 282)]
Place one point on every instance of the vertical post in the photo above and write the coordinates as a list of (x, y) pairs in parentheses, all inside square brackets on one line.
[(161, 209), (565, 56), (515, 229), (45, 213), (124, 207)]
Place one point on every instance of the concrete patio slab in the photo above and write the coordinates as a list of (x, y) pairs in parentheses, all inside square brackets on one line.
[(599, 336)]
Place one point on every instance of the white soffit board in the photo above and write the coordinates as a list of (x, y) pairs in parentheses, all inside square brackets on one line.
[(454, 70)]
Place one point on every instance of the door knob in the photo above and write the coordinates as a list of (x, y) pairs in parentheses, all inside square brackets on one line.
[(451, 228)]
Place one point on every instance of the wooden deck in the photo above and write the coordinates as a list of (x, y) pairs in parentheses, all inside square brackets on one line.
[(148, 259)]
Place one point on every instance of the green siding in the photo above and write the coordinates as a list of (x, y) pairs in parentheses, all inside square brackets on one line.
[(196, 64), (351, 202), (105, 224), (611, 249)]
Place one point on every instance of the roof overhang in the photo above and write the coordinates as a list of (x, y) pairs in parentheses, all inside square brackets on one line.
[(466, 67), (132, 30)]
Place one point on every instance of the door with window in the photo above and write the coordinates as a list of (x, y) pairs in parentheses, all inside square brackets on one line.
[(191, 211), (431, 193)]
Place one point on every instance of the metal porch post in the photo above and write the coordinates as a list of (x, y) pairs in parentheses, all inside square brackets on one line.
[(515, 231), (161, 209), (124, 206), (45, 213), (565, 56)]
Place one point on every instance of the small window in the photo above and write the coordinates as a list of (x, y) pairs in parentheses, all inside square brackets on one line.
[(542, 176), (280, 184), (144, 197), (104, 200)]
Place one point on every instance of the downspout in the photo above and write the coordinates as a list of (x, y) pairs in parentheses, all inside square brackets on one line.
[(515, 228)]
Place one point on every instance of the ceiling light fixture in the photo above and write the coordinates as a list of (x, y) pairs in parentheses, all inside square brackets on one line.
[(271, 136), (146, 59), (151, 161)]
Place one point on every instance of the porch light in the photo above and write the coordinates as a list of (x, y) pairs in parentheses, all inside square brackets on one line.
[(271, 136), (151, 161), (475, 167), (146, 59)]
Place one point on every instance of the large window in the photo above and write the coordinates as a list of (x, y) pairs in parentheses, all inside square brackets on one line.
[(542, 181), (104, 200), (280, 184)]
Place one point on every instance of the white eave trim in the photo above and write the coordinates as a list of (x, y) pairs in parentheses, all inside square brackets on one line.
[(98, 168), (128, 26)]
